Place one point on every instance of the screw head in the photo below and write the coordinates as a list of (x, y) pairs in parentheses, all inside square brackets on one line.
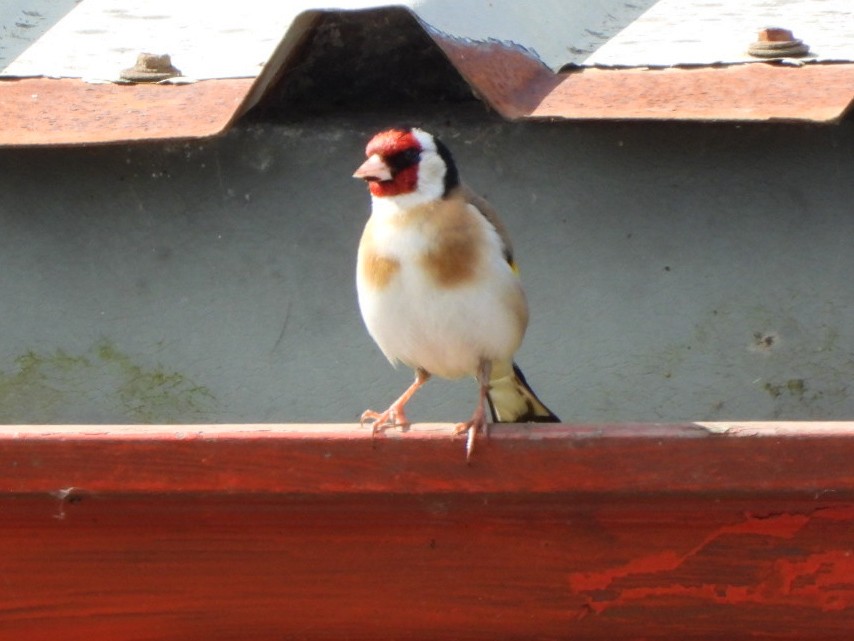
[(775, 34), (776, 42), (151, 67)]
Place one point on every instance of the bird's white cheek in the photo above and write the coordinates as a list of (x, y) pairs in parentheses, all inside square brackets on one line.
[(431, 176)]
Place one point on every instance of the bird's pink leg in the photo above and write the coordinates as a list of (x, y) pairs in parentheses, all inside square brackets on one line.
[(477, 421), (394, 416)]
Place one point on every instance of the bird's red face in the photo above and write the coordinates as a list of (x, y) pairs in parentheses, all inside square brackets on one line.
[(392, 165)]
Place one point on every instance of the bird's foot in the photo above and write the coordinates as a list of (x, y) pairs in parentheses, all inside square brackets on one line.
[(394, 416), (471, 428), (381, 421)]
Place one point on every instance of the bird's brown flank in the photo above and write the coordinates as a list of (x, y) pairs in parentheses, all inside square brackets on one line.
[(377, 270)]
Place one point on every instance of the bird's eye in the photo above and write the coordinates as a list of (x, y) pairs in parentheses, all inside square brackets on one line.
[(403, 159)]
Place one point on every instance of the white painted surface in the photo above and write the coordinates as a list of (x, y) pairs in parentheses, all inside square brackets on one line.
[(557, 31), (99, 38), (703, 32), (22, 22)]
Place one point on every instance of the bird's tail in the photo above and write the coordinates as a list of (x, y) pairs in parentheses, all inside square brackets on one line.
[(511, 399)]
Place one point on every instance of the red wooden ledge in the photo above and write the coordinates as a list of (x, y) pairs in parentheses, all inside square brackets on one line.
[(714, 531)]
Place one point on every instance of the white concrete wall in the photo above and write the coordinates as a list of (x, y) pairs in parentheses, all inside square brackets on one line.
[(674, 271)]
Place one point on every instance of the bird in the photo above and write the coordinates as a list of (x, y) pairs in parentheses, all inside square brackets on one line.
[(437, 284)]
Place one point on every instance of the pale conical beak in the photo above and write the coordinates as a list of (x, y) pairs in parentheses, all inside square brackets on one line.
[(373, 169)]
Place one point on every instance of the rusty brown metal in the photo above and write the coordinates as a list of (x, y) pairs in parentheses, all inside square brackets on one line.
[(44, 111), (749, 92), (518, 86), (507, 78)]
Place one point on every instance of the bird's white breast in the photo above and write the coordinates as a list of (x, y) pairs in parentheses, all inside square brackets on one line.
[(443, 328)]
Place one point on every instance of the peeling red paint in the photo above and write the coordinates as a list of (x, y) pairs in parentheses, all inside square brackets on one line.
[(662, 562), (827, 578), (824, 579), (780, 525)]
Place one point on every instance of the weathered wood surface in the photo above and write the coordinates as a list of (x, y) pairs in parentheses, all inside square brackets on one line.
[(295, 532)]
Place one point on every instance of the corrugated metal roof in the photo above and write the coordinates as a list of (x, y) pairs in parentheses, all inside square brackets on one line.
[(676, 32), (755, 92), (218, 40), (65, 111), (99, 38), (518, 87), (507, 51)]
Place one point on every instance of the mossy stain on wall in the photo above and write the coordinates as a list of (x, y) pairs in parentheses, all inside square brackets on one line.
[(103, 384)]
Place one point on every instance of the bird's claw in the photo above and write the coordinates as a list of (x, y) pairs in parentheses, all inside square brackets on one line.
[(470, 428), (381, 421)]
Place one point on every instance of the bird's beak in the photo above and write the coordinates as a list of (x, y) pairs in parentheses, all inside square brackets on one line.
[(373, 169)]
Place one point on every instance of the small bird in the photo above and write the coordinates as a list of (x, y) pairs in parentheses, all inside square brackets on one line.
[(438, 288)]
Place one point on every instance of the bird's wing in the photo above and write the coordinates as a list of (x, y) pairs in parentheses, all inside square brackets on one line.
[(482, 205)]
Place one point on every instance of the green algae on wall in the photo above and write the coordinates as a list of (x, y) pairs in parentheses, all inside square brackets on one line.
[(100, 385)]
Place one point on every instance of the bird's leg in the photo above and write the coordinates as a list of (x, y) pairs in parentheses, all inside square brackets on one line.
[(477, 421), (394, 416)]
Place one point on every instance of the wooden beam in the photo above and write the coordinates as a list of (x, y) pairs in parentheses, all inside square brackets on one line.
[(315, 532)]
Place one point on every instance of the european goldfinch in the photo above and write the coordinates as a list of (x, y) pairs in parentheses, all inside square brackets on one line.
[(437, 285)]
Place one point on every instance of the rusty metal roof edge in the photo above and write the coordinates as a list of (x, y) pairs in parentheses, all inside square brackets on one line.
[(743, 93), (509, 77), (113, 113), (486, 66), (513, 81)]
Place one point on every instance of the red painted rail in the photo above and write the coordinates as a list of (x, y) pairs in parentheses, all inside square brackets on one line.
[(553, 532)]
